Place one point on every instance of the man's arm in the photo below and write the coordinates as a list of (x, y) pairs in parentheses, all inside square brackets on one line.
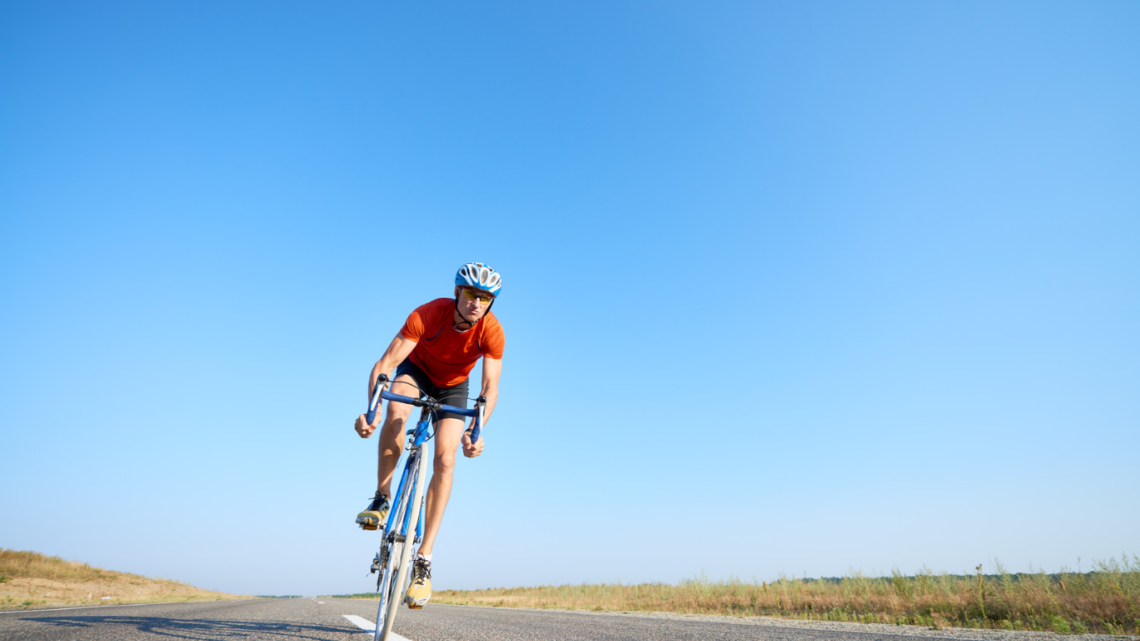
[(395, 354), (492, 369)]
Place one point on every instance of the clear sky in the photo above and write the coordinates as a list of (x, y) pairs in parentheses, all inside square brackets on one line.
[(797, 287)]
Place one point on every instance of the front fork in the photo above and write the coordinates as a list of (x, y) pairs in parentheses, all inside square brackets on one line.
[(380, 561)]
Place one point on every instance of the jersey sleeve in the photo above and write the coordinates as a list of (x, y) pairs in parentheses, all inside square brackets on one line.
[(414, 327), (494, 342)]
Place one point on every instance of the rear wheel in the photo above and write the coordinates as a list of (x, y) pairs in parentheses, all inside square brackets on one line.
[(400, 552)]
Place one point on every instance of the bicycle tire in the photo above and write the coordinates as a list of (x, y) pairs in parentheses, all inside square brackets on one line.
[(399, 585), (394, 550)]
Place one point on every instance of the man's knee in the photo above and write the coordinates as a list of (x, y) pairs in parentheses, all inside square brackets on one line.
[(398, 412), (444, 462)]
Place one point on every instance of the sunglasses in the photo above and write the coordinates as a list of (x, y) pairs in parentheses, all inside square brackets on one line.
[(471, 294)]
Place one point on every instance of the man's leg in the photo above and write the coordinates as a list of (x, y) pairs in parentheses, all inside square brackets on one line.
[(449, 432), (391, 444), (448, 435), (392, 434)]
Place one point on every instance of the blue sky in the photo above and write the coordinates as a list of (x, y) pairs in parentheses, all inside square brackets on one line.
[(799, 287)]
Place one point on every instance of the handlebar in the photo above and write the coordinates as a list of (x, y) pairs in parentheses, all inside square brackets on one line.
[(480, 403), (380, 390)]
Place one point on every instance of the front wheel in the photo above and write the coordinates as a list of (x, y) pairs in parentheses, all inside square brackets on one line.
[(400, 554), (392, 553)]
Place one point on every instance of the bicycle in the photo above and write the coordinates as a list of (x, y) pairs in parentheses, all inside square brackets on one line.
[(406, 511)]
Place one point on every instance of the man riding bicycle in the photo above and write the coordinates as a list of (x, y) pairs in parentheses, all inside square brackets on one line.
[(433, 355)]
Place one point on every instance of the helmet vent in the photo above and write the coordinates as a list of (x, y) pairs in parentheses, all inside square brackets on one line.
[(480, 276)]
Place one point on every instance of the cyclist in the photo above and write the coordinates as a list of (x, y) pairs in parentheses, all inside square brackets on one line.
[(433, 354)]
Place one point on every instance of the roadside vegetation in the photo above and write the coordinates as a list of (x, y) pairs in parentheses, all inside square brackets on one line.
[(34, 580), (1105, 600)]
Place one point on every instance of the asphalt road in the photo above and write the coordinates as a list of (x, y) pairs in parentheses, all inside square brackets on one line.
[(293, 619)]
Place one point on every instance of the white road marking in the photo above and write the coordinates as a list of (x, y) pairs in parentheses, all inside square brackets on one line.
[(370, 627), (320, 602), (360, 622)]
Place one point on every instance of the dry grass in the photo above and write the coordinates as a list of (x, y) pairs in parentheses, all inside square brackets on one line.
[(33, 580), (1105, 600)]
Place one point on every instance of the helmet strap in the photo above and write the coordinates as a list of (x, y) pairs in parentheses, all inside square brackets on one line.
[(469, 323)]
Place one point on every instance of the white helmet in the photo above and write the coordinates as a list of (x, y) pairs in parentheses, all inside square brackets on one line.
[(479, 276)]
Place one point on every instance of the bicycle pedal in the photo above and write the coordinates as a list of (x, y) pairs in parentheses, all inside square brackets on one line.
[(368, 527), (413, 606)]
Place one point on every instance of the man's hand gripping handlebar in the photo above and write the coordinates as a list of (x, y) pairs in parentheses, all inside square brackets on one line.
[(365, 425), (472, 445)]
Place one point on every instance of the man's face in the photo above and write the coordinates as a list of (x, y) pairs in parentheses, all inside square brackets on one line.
[(473, 302)]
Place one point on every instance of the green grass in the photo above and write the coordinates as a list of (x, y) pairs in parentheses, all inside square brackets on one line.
[(1105, 600)]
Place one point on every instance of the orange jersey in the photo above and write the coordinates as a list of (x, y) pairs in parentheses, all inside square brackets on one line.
[(447, 356)]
